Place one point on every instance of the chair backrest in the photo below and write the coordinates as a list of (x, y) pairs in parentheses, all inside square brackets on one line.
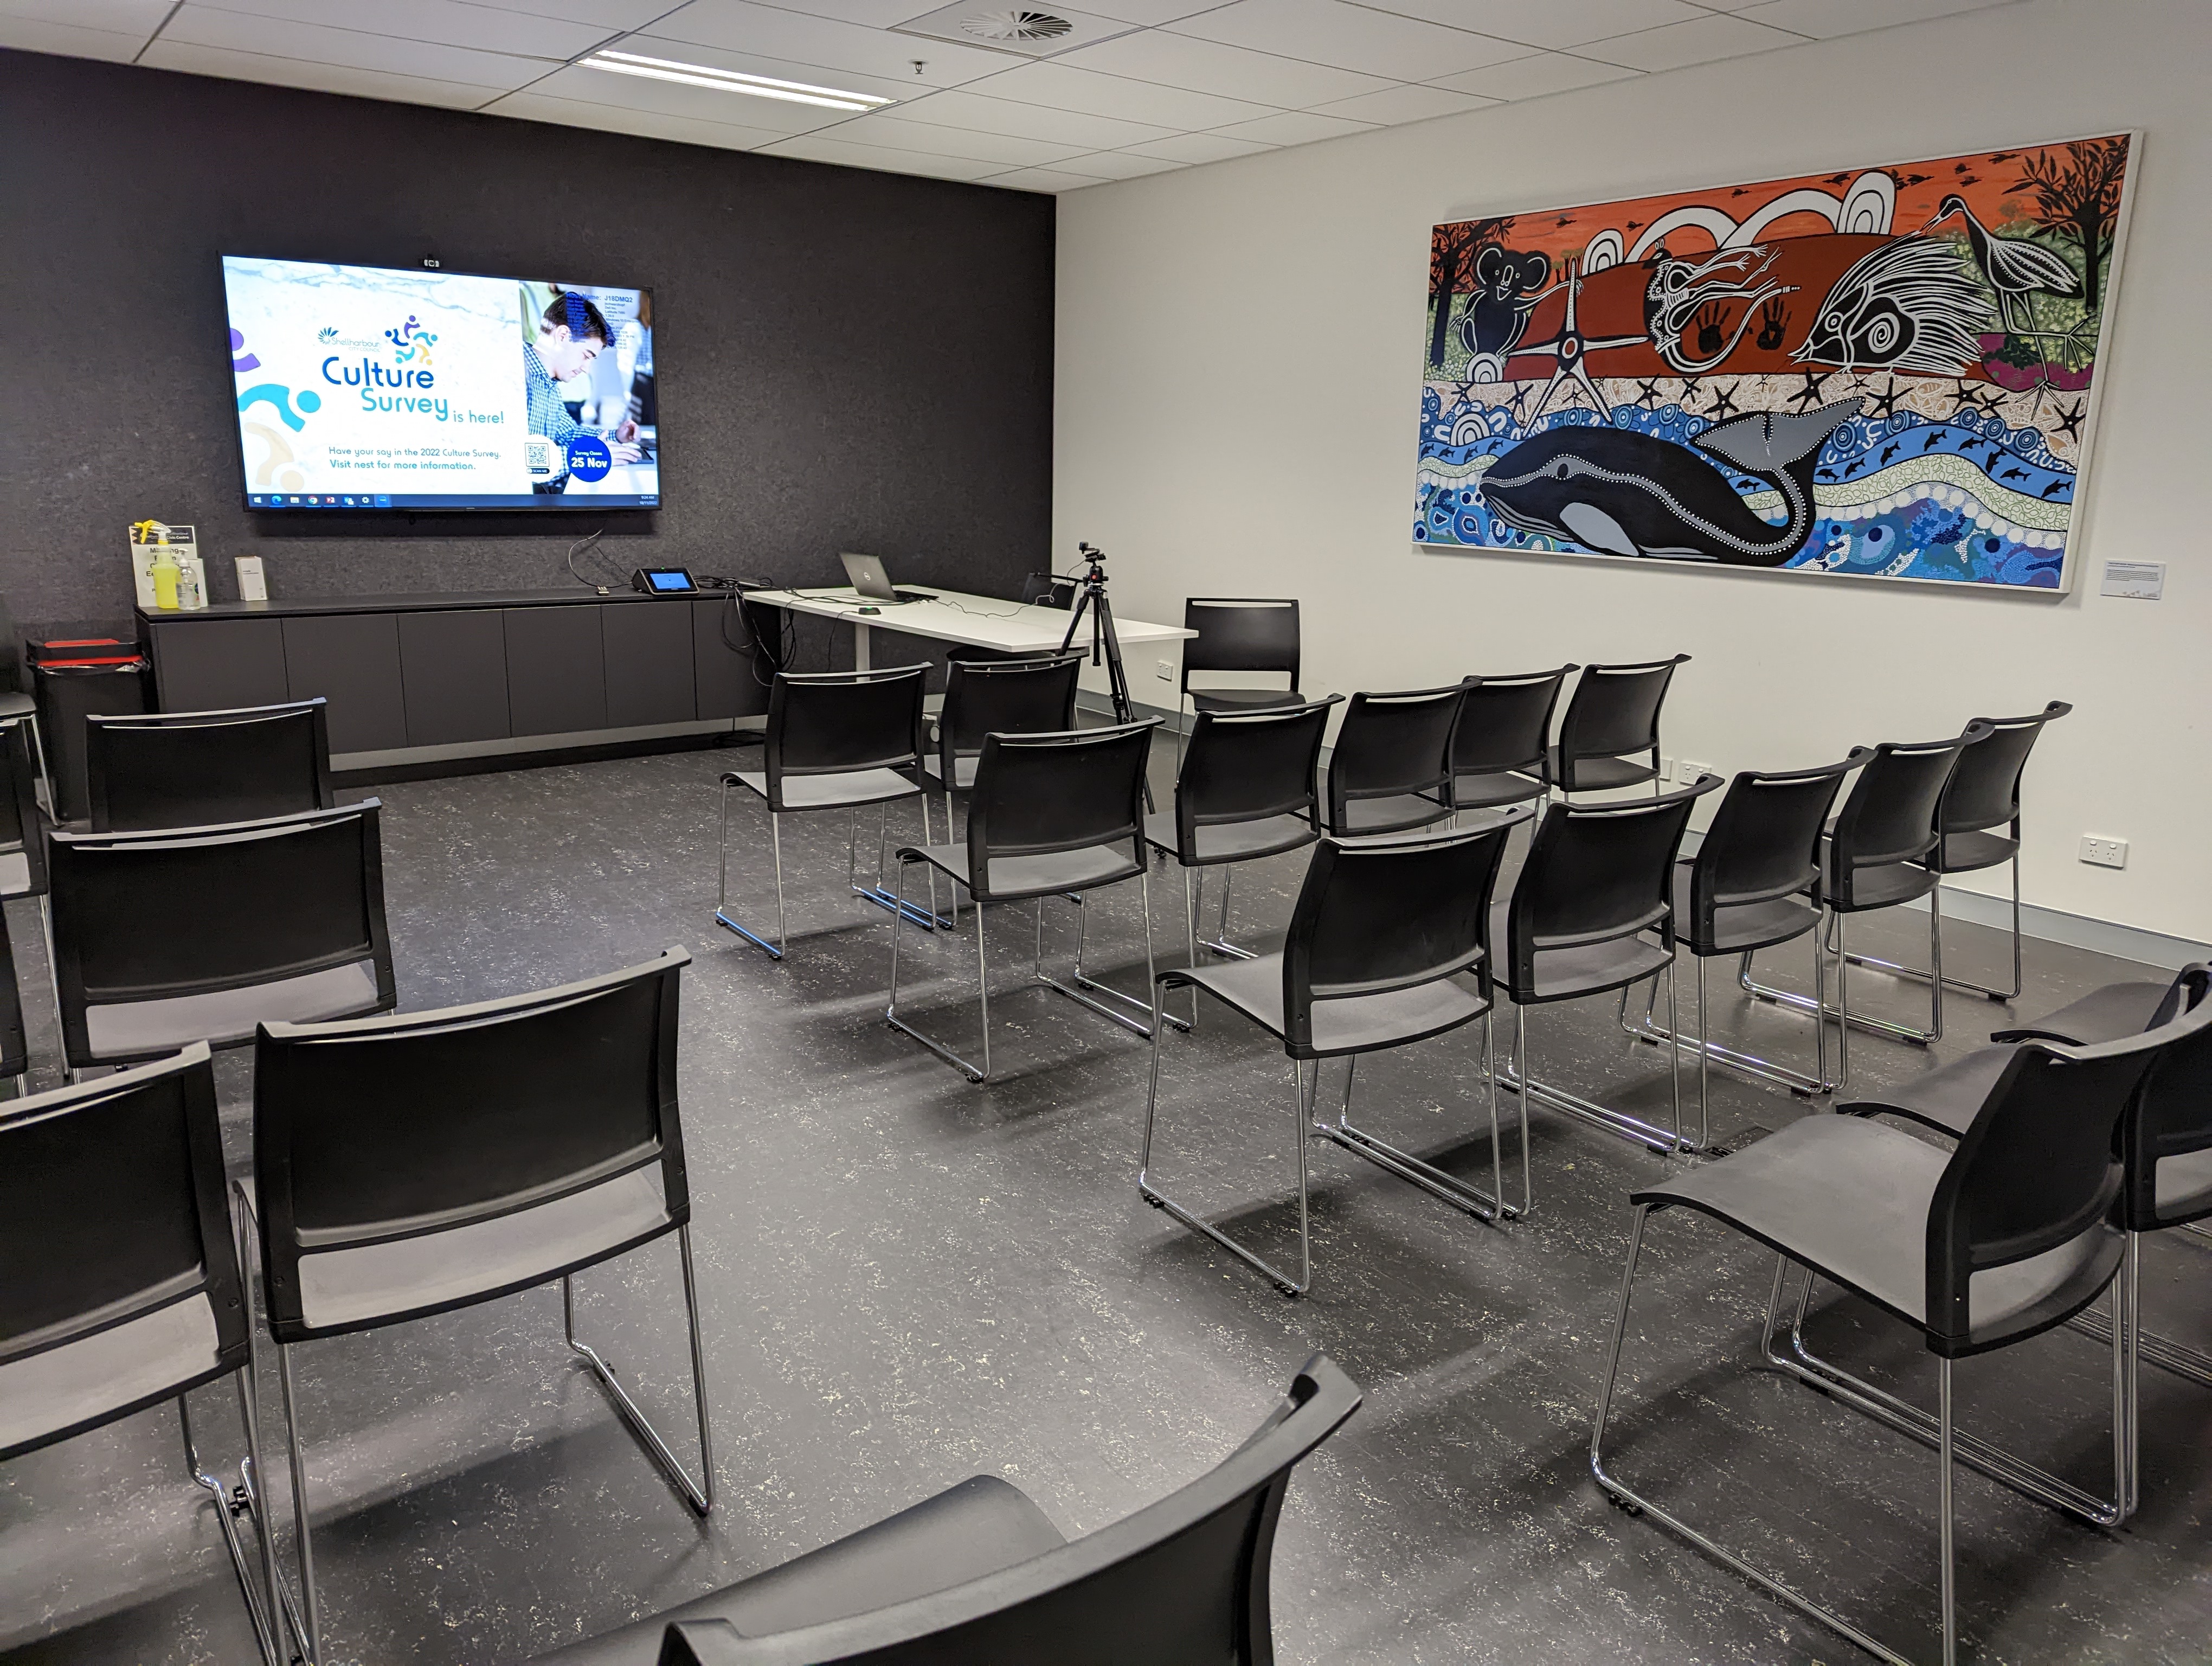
[(112, 1209), (1003, 696), (1375, 916), (2041, 1169), (826, 723), (1184, 1582), (1505, 723), (154, 916), (1243, 766), (1763, 843), (149, 769), (1392, 744), (1596, 872), (1890, 815), (1984, 788), (1614, 712), (1259, 633), (20, 824), (14, 1045), (372, 1129), (1037, 795), (2172, 1114)]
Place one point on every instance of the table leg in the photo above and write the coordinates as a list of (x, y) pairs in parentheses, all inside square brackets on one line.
[(860, 645)]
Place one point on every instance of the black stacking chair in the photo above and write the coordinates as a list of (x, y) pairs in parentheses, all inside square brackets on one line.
[(1030, 695), (163, 939), (22, 842), (1048, 815), (17, 700), (1252, 634), (1754, 884), (1500, 750), (1613, 720), (424, 1162), (2007, 1236), (1247, 788), (979, 1576), (123, 1289), (1391, 769), (154, 769), (835, 740), (1983, 797), (1875, 856), (1381, 934), (1592, 911)]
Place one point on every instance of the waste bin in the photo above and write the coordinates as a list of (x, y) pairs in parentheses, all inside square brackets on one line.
[(96, 676)]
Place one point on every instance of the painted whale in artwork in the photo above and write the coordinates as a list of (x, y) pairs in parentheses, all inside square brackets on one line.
[(1621, 493)]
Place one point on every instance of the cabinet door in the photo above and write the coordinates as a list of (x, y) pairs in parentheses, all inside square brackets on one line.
[(723, 651), (649, 670), (215, 665), (352, 660), (557, 679), (453, 673)]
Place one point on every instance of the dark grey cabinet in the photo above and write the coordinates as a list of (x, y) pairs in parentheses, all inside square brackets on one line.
[(352, 660), (648, 658), (556, 679), (453, 673), (723, 653), (216, 664)]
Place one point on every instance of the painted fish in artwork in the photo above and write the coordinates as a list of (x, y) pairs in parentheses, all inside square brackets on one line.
[(1621, 493)]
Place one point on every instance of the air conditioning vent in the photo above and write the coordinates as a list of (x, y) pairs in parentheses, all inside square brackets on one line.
[(1015, 25), (1023, 31)]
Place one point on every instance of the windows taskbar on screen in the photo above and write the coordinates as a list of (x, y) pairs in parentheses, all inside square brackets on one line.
[(320, 501)]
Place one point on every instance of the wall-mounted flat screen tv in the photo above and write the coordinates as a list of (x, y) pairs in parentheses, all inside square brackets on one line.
[(371, 387)]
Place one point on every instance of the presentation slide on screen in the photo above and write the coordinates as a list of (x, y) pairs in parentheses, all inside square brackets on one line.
[(362, 387)]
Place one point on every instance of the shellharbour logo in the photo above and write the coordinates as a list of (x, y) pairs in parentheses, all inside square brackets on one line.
[(328, 333)]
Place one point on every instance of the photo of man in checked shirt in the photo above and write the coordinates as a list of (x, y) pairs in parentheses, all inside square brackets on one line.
[(571, 333)]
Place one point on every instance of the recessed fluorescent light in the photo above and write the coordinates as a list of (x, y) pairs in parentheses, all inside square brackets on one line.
[(730, 80)]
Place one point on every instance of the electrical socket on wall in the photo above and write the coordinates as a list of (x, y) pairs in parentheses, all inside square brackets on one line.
[(2101, 852), (1164, 669), (1692, 772)]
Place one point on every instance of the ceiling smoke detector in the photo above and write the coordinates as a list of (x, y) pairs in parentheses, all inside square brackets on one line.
[(1015, 25)]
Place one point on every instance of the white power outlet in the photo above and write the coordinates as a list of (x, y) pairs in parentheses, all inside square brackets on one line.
[(2104, 853), (1692, 772), (1164, 669)]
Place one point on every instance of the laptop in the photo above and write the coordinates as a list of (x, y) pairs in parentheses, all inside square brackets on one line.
[(868, 577)]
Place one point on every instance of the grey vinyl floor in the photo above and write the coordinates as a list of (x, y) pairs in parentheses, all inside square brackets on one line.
[(906, 1279)]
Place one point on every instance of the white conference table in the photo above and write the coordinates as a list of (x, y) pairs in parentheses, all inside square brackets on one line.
[(990, 622)]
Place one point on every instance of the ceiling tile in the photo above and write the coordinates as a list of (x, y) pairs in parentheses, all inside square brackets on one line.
[(1118, 165), (1151, 12), (645, 123), (737, 26), (1394, 105), (608, 15), (1828, 18), (1532, 78), (1700, 41), (36, 34), (1063, 87), (314, 43), (871, 14), (138, 17), (1377, 43), (818, 148), (670, 98), (1200, 148), (897, 133), (1299, 127), (1208, 66), (1043, 178), (1030, 121), (444, 22), (167, 54), (1546, 23)]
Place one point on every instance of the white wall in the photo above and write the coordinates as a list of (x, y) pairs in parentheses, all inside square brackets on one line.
[(1239, 374)]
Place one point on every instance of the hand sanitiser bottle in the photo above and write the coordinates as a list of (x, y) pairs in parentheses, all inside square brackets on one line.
[(166, 574)]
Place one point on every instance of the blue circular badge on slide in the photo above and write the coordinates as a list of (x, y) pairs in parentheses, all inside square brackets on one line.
[(589, 457)]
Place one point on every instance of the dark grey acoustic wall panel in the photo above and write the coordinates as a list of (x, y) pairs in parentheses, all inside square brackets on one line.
[(846, 360), (352, 660)]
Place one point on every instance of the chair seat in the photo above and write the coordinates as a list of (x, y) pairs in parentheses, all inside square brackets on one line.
[(1014, 878), (119, 1030), (2184, 1187), (82, 1384), (980, 1527), (1565, 974), (373, 1284), (1963, 853), (1401, 813), (844, 790), (1600, 774), (2103, 1015), (1945, 1099), (1245, 700), (15, 873), (1849, 1199), (1232, 842), (1745, 927), (1489, 790), (12, 704), (1356, 1024)]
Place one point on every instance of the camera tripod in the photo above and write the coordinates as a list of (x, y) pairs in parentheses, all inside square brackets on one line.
[(1105, 646)]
